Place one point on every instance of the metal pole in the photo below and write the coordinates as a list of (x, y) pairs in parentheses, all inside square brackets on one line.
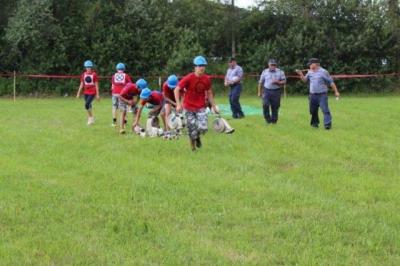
[(15, 85), (159, 82)]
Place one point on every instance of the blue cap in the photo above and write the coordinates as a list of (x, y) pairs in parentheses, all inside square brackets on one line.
[(88, 64), (145, 94), (199, 61), (120, 66), (272, 62), (141, 84), (172, 81)]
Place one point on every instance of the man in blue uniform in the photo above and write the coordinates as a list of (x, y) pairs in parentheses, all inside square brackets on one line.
[(233, 79), (319, 80), (269, 87)]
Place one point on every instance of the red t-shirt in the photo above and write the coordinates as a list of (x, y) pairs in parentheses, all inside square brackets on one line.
[(195, 89), (168, 92), (156, 98), (119, 80), (130, 90), (89, 80)]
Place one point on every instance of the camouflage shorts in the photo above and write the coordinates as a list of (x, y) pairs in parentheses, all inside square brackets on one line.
[(124, 107), (197, 123), (115, 101)]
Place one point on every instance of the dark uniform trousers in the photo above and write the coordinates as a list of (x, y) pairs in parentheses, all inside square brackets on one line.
[(271, 104)]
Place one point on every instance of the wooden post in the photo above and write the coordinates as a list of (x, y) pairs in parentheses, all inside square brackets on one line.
[(15, 86)]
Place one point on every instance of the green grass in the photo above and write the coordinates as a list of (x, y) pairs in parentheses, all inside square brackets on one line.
[(284, 194)]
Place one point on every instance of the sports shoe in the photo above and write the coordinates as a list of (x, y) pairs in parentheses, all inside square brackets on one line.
[(90, 121), (113, 124), (122, 131)]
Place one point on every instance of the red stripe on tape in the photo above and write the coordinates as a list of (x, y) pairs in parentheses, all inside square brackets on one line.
[(213, 76)]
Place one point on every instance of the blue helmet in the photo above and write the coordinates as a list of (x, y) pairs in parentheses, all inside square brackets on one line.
[(141, 84), (120, 66), (199, 61), (145, 94), (172, 81), (88, 64)]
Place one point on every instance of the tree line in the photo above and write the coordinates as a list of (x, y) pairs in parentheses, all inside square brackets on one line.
[(157, 37)]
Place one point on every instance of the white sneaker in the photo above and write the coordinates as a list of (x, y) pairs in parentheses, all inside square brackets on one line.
[(90, 121)]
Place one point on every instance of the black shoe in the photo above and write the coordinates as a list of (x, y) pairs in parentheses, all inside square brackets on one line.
[(327, 127), (314, 125), (198, 142)]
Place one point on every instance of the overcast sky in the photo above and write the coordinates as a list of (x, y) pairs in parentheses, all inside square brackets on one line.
[(244, 3)]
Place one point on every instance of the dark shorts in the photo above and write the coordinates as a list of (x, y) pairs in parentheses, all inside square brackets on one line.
[(88, 101)]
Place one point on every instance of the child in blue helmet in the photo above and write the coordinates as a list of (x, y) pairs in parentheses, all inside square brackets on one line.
[(90, 84), (118, 81), (169, 96), (156, 99), (197, 88)]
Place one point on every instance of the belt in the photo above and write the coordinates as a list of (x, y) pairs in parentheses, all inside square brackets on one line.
[(272, 89), (318, 93)]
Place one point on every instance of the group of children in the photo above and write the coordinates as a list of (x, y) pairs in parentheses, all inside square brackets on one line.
[(191, 94)]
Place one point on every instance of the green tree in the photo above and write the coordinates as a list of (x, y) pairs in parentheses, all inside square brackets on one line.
[(35, 38)]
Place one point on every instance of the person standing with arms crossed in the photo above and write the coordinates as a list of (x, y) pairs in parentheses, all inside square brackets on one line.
[(271, 81), (319, 79), (233, 79)]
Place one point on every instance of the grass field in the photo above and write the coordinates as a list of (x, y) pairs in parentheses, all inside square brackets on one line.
[(266, 195)]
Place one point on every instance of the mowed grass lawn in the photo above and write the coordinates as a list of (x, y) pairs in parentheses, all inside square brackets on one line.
[(266, 195)]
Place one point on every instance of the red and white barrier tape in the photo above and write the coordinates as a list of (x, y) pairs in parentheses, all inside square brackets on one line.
[(335, 76)]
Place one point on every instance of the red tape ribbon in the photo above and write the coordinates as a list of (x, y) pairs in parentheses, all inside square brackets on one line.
[(337, 76)]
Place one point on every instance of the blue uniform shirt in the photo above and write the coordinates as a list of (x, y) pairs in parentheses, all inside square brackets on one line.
[(319, 80), (267, 76), (237, 71)]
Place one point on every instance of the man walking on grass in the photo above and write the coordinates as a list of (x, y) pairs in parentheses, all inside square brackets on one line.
[(233, 79), (271, 81), (319, 79)]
